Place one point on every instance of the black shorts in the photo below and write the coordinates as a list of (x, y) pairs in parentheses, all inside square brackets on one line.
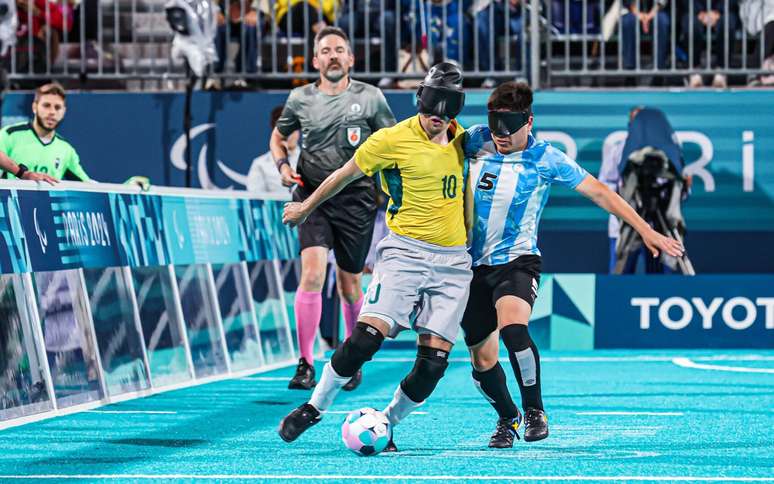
[(518, 278), (345, 223)]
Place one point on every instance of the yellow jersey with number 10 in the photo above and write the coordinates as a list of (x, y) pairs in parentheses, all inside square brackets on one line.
[(425, 181)]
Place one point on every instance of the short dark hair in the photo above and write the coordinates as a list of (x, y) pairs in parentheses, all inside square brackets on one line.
[(511, 95), (275, 115), (51, 88), (330, 30)]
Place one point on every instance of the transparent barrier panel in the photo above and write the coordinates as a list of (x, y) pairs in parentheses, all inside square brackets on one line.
[(242, 338), (23, 388), (70, 348), (269, 312), (200, 320), (290, 271), (162, 325), (115, 326)]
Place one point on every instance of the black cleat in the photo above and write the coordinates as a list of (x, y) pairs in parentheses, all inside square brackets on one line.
[(506, 431), (536, 425), (304, 377), (297, 421), (354, 382), (390, 446)]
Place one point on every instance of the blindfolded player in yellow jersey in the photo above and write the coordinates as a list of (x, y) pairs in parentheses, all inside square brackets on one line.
[(422, 272)]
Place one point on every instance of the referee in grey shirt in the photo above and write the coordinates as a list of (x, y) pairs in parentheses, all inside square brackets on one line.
[(335, 115)]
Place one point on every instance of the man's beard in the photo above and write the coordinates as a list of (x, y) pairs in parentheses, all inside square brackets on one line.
[(335, 74), (43, 127)]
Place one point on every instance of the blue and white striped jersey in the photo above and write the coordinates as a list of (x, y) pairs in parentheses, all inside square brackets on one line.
[(510, 192)]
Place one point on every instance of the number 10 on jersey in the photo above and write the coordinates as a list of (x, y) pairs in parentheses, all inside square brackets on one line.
[(449, 186)]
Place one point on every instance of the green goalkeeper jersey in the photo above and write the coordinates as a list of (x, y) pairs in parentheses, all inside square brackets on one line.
[(56, 158)]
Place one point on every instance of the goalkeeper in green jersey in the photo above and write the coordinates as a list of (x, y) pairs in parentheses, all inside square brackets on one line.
[(34, 150)]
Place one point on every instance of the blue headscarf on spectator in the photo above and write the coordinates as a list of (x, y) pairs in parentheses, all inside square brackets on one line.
[(650, 127)]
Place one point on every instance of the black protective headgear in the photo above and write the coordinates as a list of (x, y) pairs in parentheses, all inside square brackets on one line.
[(505, 123), (440, 93)]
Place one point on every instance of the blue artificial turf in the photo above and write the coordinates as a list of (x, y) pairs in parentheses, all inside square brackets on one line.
[(703, 423)]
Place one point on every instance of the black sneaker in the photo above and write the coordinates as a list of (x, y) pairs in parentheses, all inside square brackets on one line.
[(536, 425), (354, 382), (298, 421), (390, 447), (304, 378), (505, 432)]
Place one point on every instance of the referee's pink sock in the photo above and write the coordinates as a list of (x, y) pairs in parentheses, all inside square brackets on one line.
[(351, 312), (308, 307)]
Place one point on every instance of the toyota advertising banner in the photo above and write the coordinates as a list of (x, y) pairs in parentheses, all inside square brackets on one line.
[(710, 311)]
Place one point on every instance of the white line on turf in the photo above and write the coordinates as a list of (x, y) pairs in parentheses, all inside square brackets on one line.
[(347, 412), (598, 359), (687, 363), (372, 477), (265, 378), (149, 412), (649, 414)]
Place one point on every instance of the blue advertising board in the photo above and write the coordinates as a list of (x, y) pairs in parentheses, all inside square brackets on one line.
[(43, 230), (684, 312), (727, 140)]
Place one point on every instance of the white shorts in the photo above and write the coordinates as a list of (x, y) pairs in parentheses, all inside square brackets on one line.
[(420, 286)]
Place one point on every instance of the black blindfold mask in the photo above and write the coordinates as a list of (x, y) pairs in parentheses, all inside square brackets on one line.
[(505, 123), (441, 102)]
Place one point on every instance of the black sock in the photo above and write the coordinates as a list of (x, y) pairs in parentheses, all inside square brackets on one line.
[(491, 383), (525, 361)]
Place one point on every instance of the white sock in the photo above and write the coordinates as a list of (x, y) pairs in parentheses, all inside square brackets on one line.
[(400, 406), (327, 388)]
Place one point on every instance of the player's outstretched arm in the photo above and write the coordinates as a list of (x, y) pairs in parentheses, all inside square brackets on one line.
[(603, 196), (295, 213)]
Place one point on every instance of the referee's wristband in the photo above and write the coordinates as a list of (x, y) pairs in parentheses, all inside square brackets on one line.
[(21, 171), (282, 161)]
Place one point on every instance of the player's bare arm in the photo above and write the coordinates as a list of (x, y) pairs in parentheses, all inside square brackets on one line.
[(295, 213), (607, 199), (7, 164), (279, 152)]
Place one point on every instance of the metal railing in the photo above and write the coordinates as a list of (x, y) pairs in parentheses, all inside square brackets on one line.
[(548, 42)]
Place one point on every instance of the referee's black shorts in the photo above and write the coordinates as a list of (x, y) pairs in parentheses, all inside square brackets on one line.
[(344, 223), (519, 278)]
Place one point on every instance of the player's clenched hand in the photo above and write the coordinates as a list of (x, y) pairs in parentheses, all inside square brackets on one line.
[(656, 243), (289, 176), (294, 214), (30, 175)]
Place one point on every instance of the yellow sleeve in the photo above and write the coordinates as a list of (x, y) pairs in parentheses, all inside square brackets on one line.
[(375, 154)]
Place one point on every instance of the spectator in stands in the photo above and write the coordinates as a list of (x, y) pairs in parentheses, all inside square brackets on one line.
[(488, 21), (645, 14), (263, 177), (758, 19), (86, 11), (304, 17), (379, 17), (41, 22), (243, 27), (37, 147), (710, 21), (561, 9), (439, 26)]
